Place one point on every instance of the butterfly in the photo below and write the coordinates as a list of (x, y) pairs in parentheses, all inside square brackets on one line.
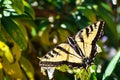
[(78, 51)]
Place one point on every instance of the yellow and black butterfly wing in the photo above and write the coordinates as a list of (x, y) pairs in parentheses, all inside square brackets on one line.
[(61, 54), (87, 38), (90, 34)]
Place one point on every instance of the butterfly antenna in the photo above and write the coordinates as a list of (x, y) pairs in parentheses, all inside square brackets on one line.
[(38, 58)]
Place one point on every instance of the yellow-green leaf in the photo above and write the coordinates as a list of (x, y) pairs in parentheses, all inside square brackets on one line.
[(1, 72), (27, 67), (16, 51), (5, 52), (18, 6), (13, 70)]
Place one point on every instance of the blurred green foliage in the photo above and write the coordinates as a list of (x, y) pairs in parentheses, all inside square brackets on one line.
[(30, 28)]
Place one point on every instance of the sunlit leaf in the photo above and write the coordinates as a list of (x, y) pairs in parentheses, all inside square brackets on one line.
[(106, 6), (5, 52), (82, 74), (18, 6), (93, 75), (1, 72), (111, 66)]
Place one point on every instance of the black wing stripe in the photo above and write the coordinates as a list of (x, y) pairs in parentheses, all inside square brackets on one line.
[(81, 39), (80, 36), (93, 51), (59, 63), (62, 49), (55, 52), (50, 54), (50, 64), (65, 51), (99, 33), (87, 31), (45, 57), (75, 46), (91, 27), (95, 25)]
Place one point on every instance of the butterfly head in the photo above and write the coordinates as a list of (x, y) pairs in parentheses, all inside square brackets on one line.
[(87, 62)]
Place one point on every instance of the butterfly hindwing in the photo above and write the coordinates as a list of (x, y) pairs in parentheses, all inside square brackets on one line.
[(61, 54)]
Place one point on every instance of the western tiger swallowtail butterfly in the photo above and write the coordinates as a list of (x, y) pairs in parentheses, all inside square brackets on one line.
[(78, 51)]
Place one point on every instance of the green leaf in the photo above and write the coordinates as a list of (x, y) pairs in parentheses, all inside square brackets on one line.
[(70, 27), (110, 30), (60, 76), (15, 33), (25, 21), (27, 67), (18, 6), (106, 6), (82, 74), (63, 68), (29, 24), (93, 76), (93, 72), (89, 14), (2, 37), (22, 27), (29, 10), (111, 66)]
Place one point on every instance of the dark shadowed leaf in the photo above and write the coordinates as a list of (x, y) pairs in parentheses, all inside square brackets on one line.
[(27, 67), (29, 10), (13, 30)]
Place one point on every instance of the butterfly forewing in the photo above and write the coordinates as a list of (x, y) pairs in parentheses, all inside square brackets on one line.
[(90, 34), (87, 38)]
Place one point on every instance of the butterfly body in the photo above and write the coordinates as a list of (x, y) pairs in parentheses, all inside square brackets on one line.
[(77, 51)]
